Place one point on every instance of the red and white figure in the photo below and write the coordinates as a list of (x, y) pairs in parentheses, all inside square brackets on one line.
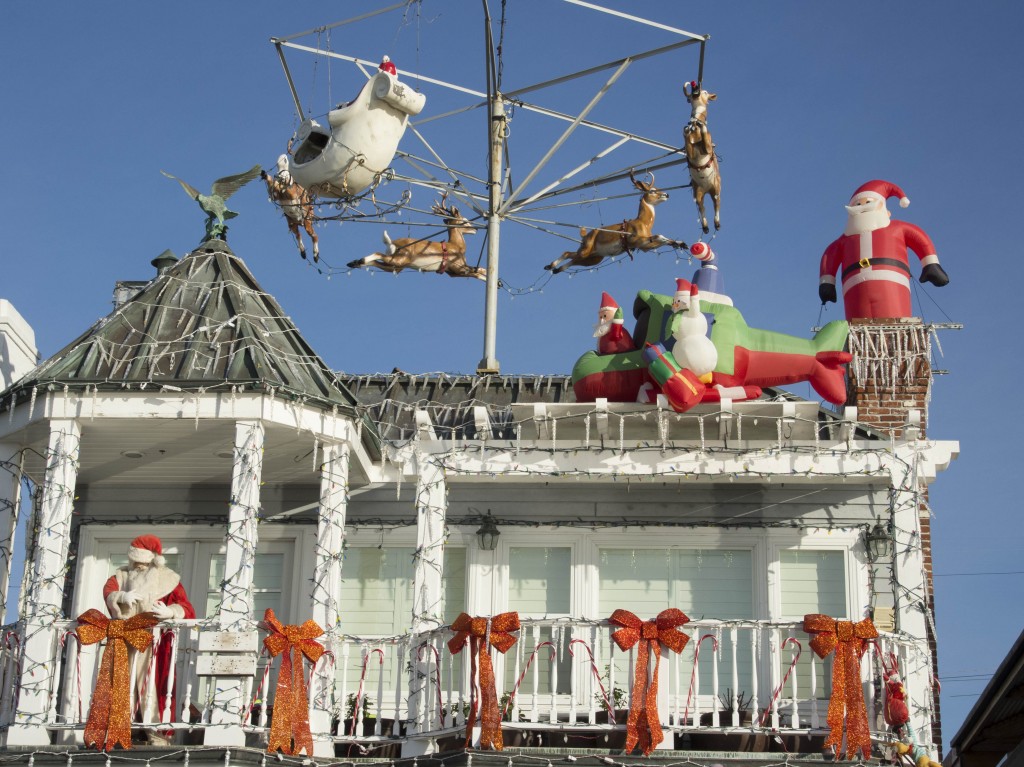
[(387, 65), (146, 584), (610, 330), (871, 257), (693, 349)]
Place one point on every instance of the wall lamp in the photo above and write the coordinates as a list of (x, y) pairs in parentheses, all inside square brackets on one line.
[(488, 533)]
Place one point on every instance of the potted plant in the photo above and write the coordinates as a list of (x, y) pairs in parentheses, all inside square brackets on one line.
[(368, 717)]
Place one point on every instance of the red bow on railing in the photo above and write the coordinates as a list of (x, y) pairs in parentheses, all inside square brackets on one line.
[(643, 727), (109, 721), (289, 730), (849, 640), (481, 632)]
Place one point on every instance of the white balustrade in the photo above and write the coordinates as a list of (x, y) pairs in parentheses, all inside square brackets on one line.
[(562, 675)]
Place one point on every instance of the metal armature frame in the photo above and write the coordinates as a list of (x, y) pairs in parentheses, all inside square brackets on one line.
[(499, 203)]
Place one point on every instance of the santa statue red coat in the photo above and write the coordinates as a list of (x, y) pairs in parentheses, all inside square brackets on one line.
[(872, 259), (160, 584)]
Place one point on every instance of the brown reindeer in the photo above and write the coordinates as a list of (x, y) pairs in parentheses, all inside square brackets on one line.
[(295, 203), (700, 152), (426, 255), (632, 234)]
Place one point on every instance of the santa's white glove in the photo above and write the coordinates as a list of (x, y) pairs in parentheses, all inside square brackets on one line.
[(162, 611), (129, 597)]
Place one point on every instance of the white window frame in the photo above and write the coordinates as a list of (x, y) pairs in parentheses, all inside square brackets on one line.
[(847, 541)]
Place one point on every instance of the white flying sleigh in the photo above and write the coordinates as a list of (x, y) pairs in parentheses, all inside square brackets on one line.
[(344, 157)]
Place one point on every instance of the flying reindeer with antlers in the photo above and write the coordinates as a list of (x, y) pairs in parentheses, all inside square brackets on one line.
[(426, 255), (632, 234), (700, 152), (295, 202)]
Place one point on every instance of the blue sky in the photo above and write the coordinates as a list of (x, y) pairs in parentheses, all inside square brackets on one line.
[(813, 99)]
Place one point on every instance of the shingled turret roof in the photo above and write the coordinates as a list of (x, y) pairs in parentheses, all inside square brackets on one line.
[(204, 323)]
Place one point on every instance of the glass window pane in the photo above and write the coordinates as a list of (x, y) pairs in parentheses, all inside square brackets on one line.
[(703, 583), (540, 586), (813, 581), (453, 583), (539, 581)]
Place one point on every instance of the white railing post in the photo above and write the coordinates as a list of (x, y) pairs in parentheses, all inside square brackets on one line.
[(47, 573), (236, 597)]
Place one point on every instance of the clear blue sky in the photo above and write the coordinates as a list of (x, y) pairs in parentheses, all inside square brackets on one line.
[(813, 99)]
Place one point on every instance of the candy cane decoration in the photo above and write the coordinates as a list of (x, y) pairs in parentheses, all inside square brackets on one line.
[(63, 644), (522, 676), (597, 676), (437, 667), (259, 689), (778, 690), (362, 679), (693, 674), (312, 670)]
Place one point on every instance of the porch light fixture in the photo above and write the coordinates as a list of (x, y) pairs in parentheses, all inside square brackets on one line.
[(488, 533), (879, 543)]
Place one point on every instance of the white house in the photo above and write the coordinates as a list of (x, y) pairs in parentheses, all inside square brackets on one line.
[(197, 412)]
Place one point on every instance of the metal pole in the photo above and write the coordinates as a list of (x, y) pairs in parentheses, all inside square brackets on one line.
[(489, 363)]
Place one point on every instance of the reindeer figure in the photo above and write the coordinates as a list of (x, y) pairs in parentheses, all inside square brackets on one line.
[(700, 153), (632, 234), (428, 256), (295, 202)]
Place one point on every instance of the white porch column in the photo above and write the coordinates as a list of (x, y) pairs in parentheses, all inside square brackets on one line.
[(235, 610), (48, 571), (909, 583), (431, 510), (330, 541), (10, 499)]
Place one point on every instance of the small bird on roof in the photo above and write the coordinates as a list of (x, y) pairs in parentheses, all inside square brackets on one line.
[(214, 205)]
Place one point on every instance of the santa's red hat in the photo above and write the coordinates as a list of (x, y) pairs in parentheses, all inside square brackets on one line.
[(881, 190), (682, 288), (388, 66), (147, 548), (607, 302)]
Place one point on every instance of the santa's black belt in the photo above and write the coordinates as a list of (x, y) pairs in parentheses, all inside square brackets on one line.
[(866, 262)]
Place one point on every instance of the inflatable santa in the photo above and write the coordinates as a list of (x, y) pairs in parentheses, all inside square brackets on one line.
[(610, 330), (871, 257)]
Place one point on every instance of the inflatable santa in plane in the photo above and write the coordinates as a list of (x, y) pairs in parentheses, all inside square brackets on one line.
[(610, 330), (871, 257)]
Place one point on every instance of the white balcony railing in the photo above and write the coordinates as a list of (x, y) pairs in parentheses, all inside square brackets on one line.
[(562, 677)]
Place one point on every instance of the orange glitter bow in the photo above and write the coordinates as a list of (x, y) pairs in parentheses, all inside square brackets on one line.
[(849, 640), (643, 727), (289, 730), (481, 632), (110, 719)]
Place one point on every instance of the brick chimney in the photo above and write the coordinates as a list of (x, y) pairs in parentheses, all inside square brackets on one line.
[(889, 382)]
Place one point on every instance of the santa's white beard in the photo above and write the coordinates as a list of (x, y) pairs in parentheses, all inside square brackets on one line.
[(862, 219), (144, 582), (602, 328)]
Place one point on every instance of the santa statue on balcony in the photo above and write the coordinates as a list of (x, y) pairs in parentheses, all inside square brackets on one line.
[(146, 584), (871, 257)]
